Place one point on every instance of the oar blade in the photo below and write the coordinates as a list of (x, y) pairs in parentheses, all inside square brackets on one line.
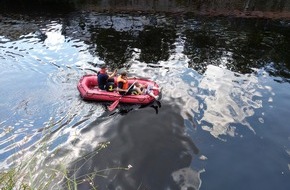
[(113, 105)]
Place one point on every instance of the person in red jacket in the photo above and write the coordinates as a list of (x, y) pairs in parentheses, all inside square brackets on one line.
[(104, 77)]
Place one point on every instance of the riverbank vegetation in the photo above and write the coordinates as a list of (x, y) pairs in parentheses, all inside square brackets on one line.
[(28, 175), (44, 171), (240, 8)]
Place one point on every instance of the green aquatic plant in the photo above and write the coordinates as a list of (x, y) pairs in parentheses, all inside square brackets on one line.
[(71, 181), (42, 169), (28, 176), (9, 180)]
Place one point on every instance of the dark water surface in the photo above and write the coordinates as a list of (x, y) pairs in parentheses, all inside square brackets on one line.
[(223, 122)]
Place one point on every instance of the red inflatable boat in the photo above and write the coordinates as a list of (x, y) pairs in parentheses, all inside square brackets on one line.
[(88, 88)]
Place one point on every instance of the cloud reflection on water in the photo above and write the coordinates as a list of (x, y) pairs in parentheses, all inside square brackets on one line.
[(230, 99)]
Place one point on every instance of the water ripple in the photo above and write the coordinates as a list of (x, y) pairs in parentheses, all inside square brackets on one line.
[(231, 103), (46, 123)]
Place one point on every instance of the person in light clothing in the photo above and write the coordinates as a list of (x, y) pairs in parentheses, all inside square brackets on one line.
[(143, 89)]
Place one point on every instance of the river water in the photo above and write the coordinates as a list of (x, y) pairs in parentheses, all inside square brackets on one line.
[(222, 122)]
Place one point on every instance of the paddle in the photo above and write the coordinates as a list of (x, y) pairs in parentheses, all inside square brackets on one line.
[(116, 103)]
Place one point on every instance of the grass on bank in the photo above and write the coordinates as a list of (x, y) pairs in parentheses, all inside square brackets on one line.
[(27, 175)]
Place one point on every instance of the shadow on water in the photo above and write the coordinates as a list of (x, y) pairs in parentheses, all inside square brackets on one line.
[(125, 109), (144, 147)]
